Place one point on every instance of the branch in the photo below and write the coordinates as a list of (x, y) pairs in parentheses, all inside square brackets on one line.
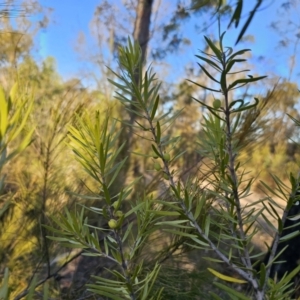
[(54, 274)]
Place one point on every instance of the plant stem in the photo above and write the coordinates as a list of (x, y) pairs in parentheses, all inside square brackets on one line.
[(246, 275), (232, 172)]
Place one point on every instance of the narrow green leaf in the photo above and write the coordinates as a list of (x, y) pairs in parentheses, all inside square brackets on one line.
[(31, 289), (294, 218), (240, 101), (274, 210), (142, 154), (180, 233), (172, 223), (262, 275), (165, 213), (225, 277), (231, 64), (289, 276), (244, 81), (3, 113), (268, 222), (106, 194), (231, 291), (200, 242), (155, 150), (223, 81), (134, 209), (207, 225), (272, 190), (240, 52), (21, 126), (205, 87), (13, 93), (213, 259), (276, 257), (247, 107), (127, 232), (46, 291), (210, 62), (117, 171), (247, 23), (106, 247), (26, 141), (158, 132), (199, 206), (237, 14), (214, 48), (154, 109), (289, 236), (208, 74), (4, 288)]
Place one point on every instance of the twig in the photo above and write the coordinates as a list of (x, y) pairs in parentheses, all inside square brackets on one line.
[(26, 291)]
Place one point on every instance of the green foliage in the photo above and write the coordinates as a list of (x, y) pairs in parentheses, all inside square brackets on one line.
[(143, 225), (197, 222), (36, 185), (14, 114), (94, 144), (4, 289)]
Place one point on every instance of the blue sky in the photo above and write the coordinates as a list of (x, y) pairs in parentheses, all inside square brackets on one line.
[(69, 17)]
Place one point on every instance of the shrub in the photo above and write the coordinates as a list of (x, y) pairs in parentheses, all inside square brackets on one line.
[(193, 216)]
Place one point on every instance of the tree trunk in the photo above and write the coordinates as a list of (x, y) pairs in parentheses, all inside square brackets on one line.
[(141, 35), (142, 25)]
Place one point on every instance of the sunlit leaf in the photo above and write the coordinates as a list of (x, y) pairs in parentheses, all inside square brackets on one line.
[(225, 277), (3, 114)]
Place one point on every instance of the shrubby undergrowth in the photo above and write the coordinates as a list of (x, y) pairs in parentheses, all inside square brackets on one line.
[(141, 230)]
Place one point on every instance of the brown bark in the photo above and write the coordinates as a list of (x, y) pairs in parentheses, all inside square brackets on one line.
[(141, 32), (141, 35)]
